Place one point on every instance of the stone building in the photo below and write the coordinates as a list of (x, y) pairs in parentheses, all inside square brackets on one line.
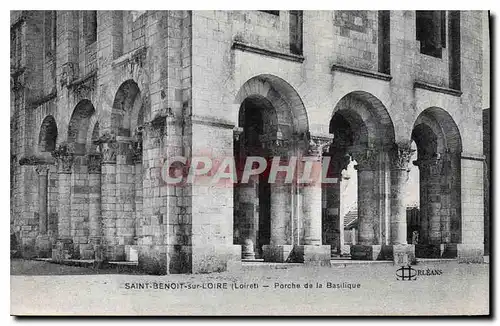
[(99, 99)]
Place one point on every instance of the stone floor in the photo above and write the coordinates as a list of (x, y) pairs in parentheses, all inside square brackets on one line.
[(266, 289)]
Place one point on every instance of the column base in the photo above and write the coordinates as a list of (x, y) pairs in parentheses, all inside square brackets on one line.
[(444, 250), (345, 250), (470, 252), (312, 255), (400, 254), (366, 252), (43, 246), (62, 250), (216, 258), (276, 253), (131, 253), (247, 250)]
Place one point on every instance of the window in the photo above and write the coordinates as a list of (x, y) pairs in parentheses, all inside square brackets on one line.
[(431, 32), (49, 22), (272, 12), (90, 26), (384, 49), (296, 32)]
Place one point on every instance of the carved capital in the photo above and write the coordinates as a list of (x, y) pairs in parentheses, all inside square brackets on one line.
[(366, 159), (42, 170), (64, 157), (107, 147), (277, 147), (94, 163), (237, 133), (400, 156), (318, 145)]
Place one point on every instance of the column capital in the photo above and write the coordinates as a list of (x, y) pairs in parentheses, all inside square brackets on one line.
[(42, 169), (277, 147), (237, 133), (137, 152), (400, 156), (64, 158), (318, 144), (94, 163), (366, 159), (107, 147)]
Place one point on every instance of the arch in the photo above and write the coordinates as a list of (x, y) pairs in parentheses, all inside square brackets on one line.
[(368, 119), (281, 95), (79, 126), (47, 138), (441, 123), (128, 109)]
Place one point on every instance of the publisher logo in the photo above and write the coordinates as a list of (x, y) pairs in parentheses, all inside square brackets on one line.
[(406, 273)]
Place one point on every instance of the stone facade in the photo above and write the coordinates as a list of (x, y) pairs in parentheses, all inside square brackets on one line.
[(100, 99)]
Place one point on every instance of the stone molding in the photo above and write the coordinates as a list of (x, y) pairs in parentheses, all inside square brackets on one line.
[(361, 72), (238, 45), (438, 89)]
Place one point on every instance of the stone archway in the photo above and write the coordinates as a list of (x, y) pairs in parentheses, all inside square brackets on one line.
[(363, 132), (121, 149), (439, 149), (84, 214), (272, 122)]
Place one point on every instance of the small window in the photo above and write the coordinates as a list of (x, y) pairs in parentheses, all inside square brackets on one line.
[(90, 26), (431, 32), (272, 12), (49, 33), (296, 32)]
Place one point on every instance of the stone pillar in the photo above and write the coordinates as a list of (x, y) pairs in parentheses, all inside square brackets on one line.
[(280, 247), (108, 148), (313, 251), (400, 156), (42, 243), (333, 224), (64, 244), (367, 246), (95, 228)]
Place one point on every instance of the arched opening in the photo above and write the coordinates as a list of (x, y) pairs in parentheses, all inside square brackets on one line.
[(127, 111), (79, 125), (355, 209), (48, 135), (439, 147), (271, 116)]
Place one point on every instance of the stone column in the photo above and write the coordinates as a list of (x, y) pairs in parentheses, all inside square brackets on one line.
[(42, 243), (334, 221), (280, 247), (95, 234), (312, 251), (108, 147), (367, 246), (64, 244), (400, 156)]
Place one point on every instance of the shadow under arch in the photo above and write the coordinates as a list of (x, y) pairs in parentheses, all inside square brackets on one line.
[(47, 138), (128, 109), (79, 125)]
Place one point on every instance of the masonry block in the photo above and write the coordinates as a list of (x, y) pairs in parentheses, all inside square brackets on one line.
[(312, 255), (366, 252), (277, 253)]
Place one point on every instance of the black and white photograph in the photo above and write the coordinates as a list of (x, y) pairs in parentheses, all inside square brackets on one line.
[(250, 162)]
